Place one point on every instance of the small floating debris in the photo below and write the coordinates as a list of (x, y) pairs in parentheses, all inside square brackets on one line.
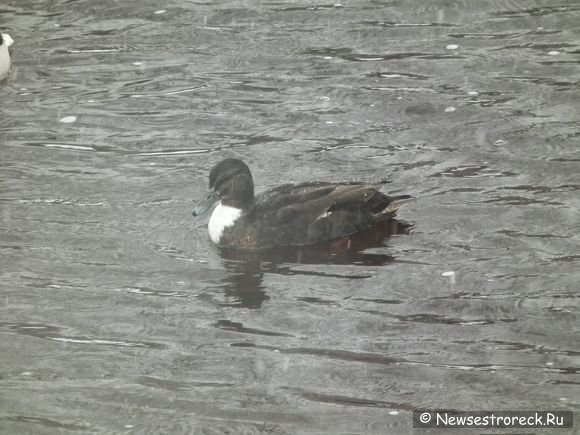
[(553, 53), (137, 63), (451, 275), (472, 93), (327, 57), (549, 363), (563, 399), (68, 119), (500, 142), (160, 11), (129, 426), (452, 47), (393, 412), (329, 122), (450, 109)]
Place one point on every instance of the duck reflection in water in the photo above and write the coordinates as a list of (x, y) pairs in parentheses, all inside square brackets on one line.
[(244, 287)]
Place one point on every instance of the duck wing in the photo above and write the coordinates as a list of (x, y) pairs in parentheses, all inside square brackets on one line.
[(312, 212), (288, 194)]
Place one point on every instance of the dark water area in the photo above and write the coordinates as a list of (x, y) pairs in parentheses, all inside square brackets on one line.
[(118, 315)]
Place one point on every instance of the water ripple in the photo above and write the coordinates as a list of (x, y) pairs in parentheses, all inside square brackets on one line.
[(350, 55), (352, 401), (239, 327), (47, 422), (539, 11), (49, 332), (406, 24)]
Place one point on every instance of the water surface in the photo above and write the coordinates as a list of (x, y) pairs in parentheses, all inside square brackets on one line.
[(117, 315)]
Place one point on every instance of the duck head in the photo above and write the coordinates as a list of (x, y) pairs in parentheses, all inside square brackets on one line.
[(231, 184)]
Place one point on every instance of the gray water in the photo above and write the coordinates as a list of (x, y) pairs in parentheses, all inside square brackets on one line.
[(117, 315)]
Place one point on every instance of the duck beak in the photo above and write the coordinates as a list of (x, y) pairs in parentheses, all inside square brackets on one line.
[(206, 203)]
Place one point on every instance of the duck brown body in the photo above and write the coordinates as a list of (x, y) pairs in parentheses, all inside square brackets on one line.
[(293, 214)]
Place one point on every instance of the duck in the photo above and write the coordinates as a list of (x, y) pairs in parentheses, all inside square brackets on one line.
[(288, 215), (5, 42)]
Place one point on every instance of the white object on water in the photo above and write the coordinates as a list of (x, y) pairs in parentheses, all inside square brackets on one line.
[(452, 47), (451, 275), (68, 119), (6, 41), (450, 109), (553, 53)]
